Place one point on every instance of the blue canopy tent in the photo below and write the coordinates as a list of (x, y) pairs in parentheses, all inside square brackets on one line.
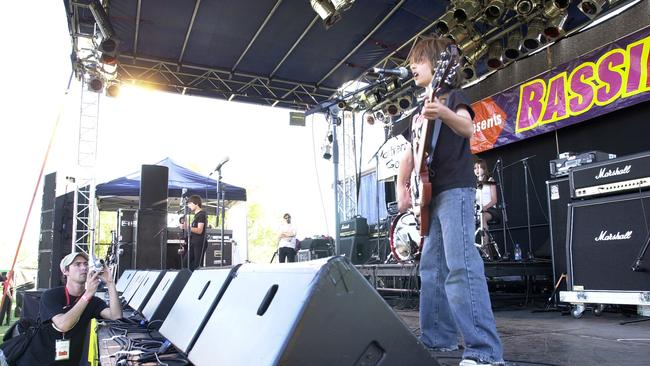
[(124, 192)]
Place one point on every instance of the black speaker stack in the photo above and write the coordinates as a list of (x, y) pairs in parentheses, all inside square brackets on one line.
[(55, 240), (354, 242), (599, 219), (150, 249)]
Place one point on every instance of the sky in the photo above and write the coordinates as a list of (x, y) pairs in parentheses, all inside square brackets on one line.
[(281, 166)]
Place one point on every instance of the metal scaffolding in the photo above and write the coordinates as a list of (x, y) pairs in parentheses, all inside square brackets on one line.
[(347, 186), (83, 225)]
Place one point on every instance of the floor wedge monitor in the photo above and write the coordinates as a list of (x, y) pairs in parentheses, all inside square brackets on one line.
[(165, 295), (312, 313), (194, 306)]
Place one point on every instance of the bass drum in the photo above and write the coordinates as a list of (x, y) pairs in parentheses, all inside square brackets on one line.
[(405, 239)]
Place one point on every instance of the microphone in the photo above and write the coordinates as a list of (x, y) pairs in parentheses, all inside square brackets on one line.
[(221, 163), (401, 72)]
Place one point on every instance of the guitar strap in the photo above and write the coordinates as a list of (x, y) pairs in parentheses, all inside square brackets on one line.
[(434, 141)]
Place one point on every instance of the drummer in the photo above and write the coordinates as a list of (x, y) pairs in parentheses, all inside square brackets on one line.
[(486, 195)]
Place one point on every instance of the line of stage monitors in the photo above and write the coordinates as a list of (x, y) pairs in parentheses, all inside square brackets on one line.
[(320, 312)]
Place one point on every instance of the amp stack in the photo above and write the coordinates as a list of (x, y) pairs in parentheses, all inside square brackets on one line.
[(606, 208), (354, 242)]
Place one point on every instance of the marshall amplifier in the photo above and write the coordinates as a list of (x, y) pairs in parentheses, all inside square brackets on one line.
[(605, 237), (561, 166), (355, 226), (631, 172)]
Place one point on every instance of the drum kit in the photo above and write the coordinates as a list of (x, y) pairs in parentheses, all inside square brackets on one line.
[(406, 242)]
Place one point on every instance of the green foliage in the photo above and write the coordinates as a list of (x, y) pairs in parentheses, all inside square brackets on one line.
[(261, 237)]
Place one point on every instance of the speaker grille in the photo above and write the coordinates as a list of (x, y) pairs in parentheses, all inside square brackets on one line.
[(606, 236)]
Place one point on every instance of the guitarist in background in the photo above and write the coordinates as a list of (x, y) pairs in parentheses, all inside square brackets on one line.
[(454, 296)]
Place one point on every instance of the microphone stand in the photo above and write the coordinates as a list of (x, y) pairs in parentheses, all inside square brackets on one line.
[(638, 261), (530, 240), (504, 211), (375, 156), (220, 212)]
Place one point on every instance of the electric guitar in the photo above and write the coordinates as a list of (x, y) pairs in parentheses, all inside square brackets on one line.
[(421, 135)]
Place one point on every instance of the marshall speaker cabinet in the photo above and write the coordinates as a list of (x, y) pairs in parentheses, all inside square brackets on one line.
[(605, 238)]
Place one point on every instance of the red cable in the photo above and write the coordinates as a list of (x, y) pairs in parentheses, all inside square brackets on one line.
[(10, 274)]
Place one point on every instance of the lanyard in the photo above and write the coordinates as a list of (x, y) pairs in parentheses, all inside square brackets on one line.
[(67, 297)]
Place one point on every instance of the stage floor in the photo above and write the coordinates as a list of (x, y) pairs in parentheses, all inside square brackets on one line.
[(551, 338)]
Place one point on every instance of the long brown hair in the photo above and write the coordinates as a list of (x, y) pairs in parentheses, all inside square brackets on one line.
[(486, 172), (429, 48)]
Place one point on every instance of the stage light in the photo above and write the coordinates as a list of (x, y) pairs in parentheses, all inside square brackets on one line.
[(469, 44), (112, 89), (330, 10), (555, 27), (405, 102), (445, 23), (326, 150), (476, 53), (468, 72), (495, 54), (392, 109), (379, 116), (466, 9), (524, 7), (513, 45), (533, 37), (494, 9), (458, 34), (554, 8), (95, 84), (591, 8)]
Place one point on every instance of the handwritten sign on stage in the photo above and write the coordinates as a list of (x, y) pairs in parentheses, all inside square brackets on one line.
[(389, 156), (612, 77)]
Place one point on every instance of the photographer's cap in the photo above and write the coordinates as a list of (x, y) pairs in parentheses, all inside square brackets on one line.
[(68, 259)]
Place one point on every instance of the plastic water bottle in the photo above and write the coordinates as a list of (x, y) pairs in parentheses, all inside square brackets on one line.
[(517, 252)]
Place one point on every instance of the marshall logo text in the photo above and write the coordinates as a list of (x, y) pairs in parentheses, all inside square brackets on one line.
[(605, 236), (604, 172)]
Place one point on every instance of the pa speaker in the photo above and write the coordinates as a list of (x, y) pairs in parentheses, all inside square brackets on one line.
[(153, 187), (314, 313), (558, 199), (356, 248), (150, 240), (606, 237)]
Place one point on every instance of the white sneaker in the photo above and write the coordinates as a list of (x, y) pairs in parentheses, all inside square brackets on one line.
[(470, 362)]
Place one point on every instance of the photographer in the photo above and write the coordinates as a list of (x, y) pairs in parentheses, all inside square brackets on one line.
[(66, 311)]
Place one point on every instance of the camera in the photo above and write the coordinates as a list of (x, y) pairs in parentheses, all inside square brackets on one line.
[(95, 265)]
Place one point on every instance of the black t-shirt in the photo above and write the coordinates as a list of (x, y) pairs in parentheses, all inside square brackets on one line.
[(197, 239), (452, 160), (41, 348)]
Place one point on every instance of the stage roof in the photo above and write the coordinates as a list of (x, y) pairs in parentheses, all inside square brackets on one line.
[(269, 52)]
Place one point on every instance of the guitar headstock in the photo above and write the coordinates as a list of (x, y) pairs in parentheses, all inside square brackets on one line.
[(445, 72)]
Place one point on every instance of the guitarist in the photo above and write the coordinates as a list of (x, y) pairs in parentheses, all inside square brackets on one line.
[(454, 296)]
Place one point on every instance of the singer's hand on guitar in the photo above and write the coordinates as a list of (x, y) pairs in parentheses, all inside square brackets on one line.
[(434, 109)]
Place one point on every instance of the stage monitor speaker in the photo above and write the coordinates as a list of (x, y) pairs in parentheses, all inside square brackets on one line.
[(150, 240), (356, 248), (196, 302), (146, 289), (124, 280), (314, 313), (605, 240), (165, 295), (134, 285), (558, 198), (153, 187)]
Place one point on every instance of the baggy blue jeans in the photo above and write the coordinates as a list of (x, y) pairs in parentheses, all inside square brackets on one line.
[(454, 296)]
